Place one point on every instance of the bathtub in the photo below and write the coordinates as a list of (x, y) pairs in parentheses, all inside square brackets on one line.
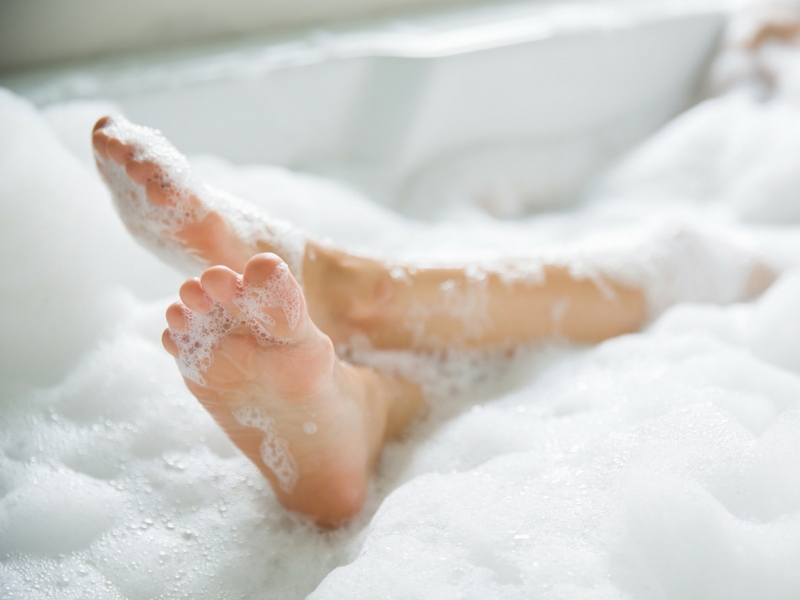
[(404, 108)]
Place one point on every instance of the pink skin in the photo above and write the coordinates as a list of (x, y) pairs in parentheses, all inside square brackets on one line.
[(296, 383)]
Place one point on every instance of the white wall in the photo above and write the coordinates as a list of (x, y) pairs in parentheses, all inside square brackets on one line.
[(40, 31)]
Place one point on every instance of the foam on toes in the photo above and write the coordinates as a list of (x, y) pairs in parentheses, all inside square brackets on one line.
[(267, 301)]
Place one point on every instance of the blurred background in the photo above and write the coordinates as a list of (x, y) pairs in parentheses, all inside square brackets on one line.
[(421, 105), (35, 32)]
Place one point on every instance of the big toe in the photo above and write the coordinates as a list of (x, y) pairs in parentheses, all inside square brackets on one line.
[(101, 122), (272, 295), (261, 267)]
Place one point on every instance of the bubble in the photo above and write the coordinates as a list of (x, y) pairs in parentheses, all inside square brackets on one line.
[(203, 332), (273, 448)]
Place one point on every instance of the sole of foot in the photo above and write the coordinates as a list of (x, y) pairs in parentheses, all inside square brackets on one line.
[(313, 424)]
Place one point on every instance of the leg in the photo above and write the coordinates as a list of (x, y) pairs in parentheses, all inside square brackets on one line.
[(313, 424), (428, 309), (391, 306), (472, 307), (348, 296)]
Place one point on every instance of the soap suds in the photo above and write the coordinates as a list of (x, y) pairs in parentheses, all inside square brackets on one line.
[(203, 332), (197, 341), (273, 448)]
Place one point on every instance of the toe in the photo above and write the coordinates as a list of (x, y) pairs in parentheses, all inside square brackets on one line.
[(141, 172), (101, 122), (220, 284), (273, 296), (99, 142), (176, 316), (158, 193), (168, 343), (260, 268), (119, 152), (194, 297)]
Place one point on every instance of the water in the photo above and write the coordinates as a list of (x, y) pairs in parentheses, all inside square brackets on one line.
[(656, 465)]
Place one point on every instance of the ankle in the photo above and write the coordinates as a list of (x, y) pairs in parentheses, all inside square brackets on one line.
[(389, 403), (395, 401), (346, 294), (404, 403)]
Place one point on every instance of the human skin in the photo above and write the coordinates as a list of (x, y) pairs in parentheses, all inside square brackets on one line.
[(300, 384)]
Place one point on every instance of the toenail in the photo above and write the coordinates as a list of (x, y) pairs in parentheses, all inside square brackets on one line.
[(99, 140), (101, 122), (176, 316)]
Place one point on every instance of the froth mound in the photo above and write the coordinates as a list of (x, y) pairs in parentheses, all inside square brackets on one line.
[(660, 465)]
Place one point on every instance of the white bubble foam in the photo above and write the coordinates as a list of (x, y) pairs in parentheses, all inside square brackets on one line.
[(197, 341), (273, 448)]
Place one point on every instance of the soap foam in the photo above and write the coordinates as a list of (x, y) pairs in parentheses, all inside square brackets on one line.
[(197, 341), (203, 332), (273, 448)]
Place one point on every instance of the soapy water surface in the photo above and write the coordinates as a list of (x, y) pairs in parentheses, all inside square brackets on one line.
[(657, 465)]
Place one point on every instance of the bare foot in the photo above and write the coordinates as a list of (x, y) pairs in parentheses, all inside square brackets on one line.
[(313, 425), (188, 223)]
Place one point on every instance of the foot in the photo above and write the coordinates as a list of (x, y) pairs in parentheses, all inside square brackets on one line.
[(186, 222), (313, 425)]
